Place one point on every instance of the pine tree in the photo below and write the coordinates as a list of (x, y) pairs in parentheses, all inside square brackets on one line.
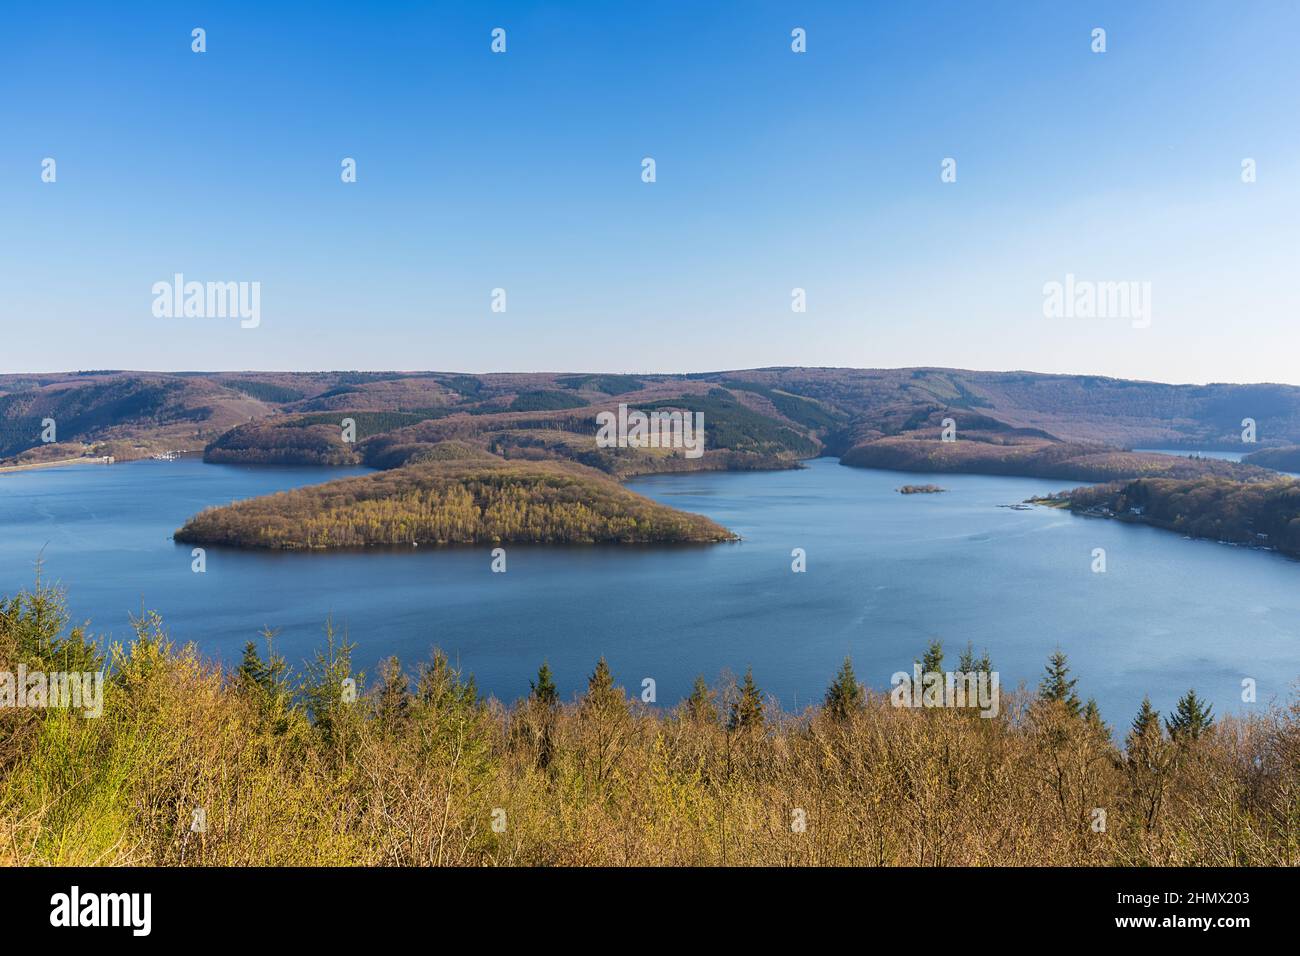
[(844, 697), (252, 669), (1191, 718), (932, 662), (440, 687), (392, 696), (969, 664), (330, 688), (1092, 715), (32, 628), (602, 696), (1147, 763), (747, 709), (605, 726), (1146, 722), (1057, 686), (543, 689), (700, 706), (540, 714), (268, 682)]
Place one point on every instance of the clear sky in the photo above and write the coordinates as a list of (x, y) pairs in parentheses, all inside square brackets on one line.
[(775, 170)]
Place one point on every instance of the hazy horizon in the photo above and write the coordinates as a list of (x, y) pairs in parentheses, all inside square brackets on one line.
[(625, 371)]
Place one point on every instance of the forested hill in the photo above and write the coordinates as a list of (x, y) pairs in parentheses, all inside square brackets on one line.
[(1009, 422), (1285, 459)]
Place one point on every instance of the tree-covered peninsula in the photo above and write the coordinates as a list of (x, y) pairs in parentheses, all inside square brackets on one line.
[(1259, 514)]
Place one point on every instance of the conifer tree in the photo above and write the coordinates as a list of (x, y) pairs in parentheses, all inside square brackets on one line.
[(543, 690), (1190, 719), (932, 661), (542, 700), (392, 696), (1148, 763), (606, 724), (267, 680), (252, 669), (968, 662), (330, 688), (1057, 685), (32, 626), (1092, 715), (747, 708), (1144, 724), (602, 696), (700, 706), (844, 697)]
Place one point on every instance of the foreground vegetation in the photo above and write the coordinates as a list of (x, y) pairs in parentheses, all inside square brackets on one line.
[(1259, 514), (287, 771), (453, 502)]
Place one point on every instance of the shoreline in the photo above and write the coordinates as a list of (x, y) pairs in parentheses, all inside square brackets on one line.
[(32, 466)]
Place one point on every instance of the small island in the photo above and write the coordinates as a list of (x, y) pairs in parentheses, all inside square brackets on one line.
[(439, 503), (920, 490)]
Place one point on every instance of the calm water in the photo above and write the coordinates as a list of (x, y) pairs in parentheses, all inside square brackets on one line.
[(1182, 453), (886, 573)]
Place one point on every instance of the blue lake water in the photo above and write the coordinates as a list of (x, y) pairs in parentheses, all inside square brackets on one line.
[(1222, 455), (885, 574)]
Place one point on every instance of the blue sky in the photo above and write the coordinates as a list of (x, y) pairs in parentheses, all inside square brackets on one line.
[(775, 170)]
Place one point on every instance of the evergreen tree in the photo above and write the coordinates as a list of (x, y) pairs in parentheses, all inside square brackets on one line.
[(1145, 723), (32, 629), (700, 705), (540, 714), (602, 696), (543, 689), (392, 696), (1057, 686), (252, 669), (747, 709), (1191, 718), (268, 682), (968, 662), (844, 697), (1092, 715), (932, 662), (440, 687), (605, 726), (1148, 763), (330, 688)]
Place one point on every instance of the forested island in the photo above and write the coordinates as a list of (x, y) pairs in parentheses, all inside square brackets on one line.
[(1258, 514), (453, 502)]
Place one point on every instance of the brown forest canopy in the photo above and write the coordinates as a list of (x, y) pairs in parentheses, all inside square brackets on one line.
[(451, 502)]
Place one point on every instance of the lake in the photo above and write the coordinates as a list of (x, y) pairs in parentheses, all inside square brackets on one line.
[(886, 573)]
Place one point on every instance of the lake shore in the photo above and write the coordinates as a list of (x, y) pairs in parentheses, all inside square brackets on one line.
[(33, 466)]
